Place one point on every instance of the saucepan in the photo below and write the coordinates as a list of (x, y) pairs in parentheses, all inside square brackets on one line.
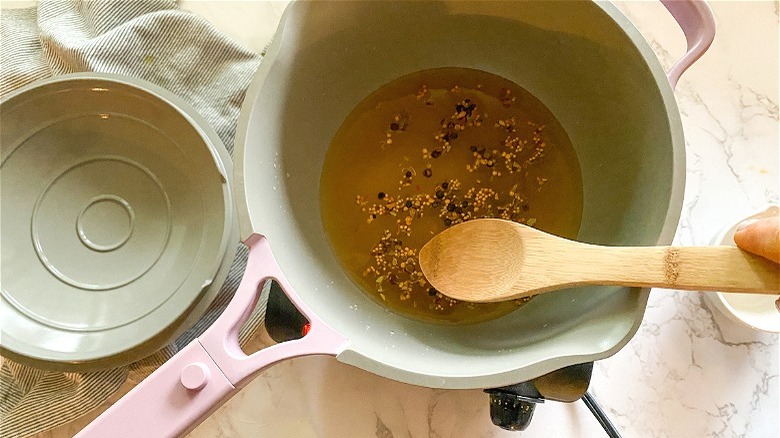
[(584, 60)]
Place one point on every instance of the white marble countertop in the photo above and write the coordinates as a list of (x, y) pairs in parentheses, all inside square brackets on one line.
[(688, 372)]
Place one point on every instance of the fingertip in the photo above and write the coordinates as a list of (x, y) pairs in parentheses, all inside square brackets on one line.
[(760, 237), (744, 224)]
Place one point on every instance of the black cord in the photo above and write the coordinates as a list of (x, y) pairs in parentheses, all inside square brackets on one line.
[(602, 418)]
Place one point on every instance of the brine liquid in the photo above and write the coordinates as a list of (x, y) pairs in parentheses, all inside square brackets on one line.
[(430, 150)]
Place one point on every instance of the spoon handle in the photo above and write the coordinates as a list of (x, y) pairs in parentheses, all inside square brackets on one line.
[(703, 268)]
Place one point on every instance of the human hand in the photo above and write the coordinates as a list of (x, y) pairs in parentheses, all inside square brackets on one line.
[(761, 237)]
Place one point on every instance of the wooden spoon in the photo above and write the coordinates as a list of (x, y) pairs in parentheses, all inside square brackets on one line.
[(489, 260)]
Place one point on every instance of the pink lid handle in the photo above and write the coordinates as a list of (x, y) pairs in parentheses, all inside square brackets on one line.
[(200, 378), (698, 24)]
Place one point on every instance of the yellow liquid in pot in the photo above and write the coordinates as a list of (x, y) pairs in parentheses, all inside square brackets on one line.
[(430, 150)]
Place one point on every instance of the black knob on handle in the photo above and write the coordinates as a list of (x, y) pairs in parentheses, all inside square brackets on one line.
[(512, 407), (508, 412)]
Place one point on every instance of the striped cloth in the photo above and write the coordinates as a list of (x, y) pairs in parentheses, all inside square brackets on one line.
[(151, 40)]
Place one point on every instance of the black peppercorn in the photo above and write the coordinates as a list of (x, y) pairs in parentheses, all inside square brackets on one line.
[(440, 194), (436, 153), (427, 173), (380, 195), (444, 185), (408, 204), (451, 207)]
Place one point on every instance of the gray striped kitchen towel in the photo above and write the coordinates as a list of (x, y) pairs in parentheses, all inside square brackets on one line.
[(147, 39)]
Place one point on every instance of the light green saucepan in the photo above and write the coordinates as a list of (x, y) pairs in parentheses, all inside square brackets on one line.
[(584, 60)]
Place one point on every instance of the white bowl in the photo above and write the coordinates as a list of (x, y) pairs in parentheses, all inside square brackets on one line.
[(753, 310)]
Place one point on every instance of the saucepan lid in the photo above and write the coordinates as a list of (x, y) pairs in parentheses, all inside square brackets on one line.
[(117, 220)]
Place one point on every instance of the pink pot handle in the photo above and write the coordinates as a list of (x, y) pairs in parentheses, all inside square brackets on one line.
[(161, 406), (698, 24), (221, 339), (202, 376)]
